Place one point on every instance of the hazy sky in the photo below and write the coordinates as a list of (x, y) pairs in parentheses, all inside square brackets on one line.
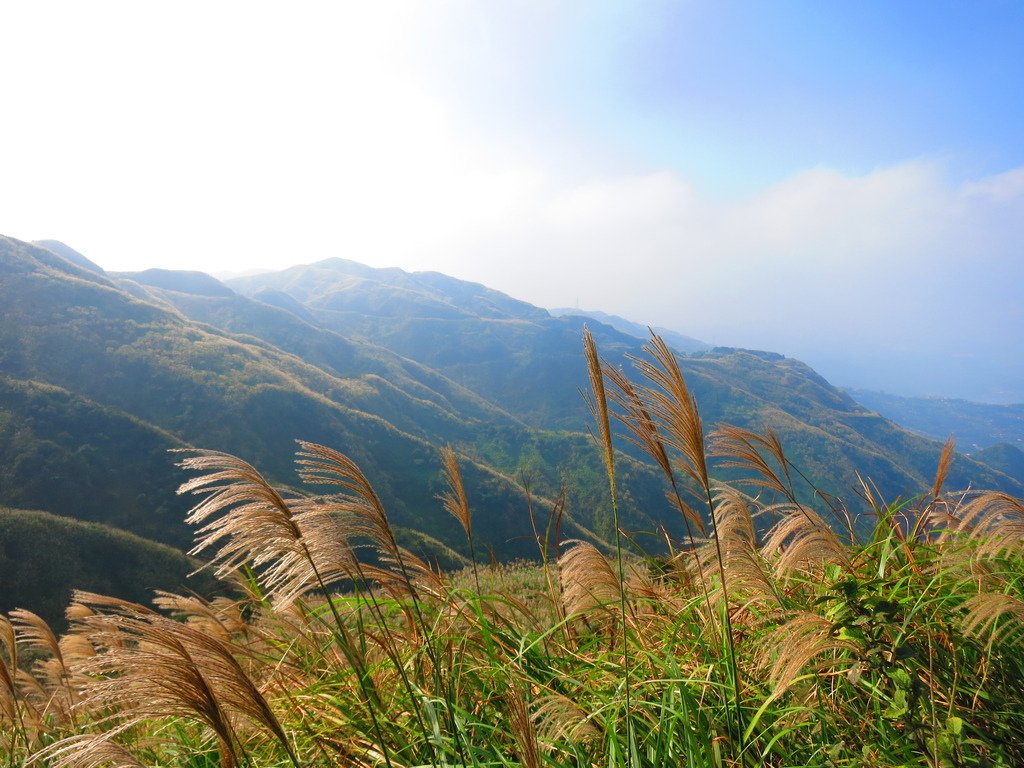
[(841, 182)]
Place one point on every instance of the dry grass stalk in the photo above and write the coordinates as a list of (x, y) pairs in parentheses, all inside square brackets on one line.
[(522, 728), (743, 449), (670, 402), (599, 405), (636, 416)]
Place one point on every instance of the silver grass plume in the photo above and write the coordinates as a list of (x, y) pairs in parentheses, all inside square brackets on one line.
[(295, 546)]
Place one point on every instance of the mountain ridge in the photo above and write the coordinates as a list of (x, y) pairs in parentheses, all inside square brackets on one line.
[(678, 341), (89, 358)]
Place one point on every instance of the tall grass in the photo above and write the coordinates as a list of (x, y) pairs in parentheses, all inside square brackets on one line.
[(771, 638)]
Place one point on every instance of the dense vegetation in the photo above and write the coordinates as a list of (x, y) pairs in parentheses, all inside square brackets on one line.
[(42, 556), (768, 638)]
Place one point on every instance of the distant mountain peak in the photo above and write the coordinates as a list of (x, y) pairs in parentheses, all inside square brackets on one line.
[(69, 253), (182, 281), (678, 341), (341, 285)]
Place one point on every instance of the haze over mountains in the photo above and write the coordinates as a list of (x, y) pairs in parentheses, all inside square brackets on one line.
[(976, 425), (101, 374)]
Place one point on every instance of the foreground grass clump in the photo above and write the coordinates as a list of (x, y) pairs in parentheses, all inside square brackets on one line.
[(770, 638)]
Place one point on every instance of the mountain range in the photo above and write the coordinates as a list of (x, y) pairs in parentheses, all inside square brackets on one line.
[(102, 373), (977, 426)]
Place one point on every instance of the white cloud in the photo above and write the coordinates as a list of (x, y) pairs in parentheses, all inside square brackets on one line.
[(899, 267)]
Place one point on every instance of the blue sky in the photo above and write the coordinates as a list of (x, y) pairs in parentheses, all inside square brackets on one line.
[(738, 95), (840, 182)]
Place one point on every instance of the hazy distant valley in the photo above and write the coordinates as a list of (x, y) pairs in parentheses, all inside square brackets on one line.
[(103, 373)]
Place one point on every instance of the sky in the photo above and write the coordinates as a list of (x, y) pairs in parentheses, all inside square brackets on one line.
[(840, 182)]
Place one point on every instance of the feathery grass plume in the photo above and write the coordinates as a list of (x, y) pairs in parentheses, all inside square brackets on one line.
[(646, 436), (165, 667), (997, 614), (789, 650), (750, 583), (746, 449), (321, 465), (588, 580), (544, 541), (8, 643), (557, 718), (155, 677), (34, 698), (295, 546), (599, 405), (456, 503), (8, 695), (407, 577), (52, 671), (8, 668), (522, 728), (220, 617), (929, 507), (942, 471), (801, 543), (644, 433), (454, 499), (12, 724), (743, 449), (90, 751), (670, 401), (994, 521), (325, 466), (35, 633)]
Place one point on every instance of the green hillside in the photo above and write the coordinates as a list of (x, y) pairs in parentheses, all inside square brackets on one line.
[(530, 363), (1008, 459), (974, 425), (44, 556), (63, 452), (238, 393)]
